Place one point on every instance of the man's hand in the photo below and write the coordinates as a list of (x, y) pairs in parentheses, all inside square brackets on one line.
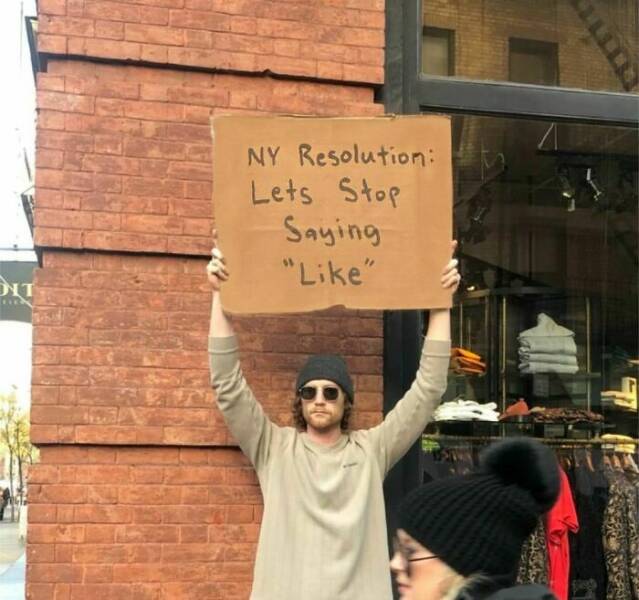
[(450, 275), (216, 270)]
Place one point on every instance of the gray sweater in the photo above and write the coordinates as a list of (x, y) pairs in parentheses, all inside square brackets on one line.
[(323, 534)]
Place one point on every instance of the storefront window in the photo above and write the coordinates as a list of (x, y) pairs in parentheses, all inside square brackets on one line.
[(546, 216), (586, 44)]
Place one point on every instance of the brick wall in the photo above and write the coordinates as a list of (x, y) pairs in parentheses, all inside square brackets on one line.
[(141, 492), (329, 39), (124, 153), (139, 523)]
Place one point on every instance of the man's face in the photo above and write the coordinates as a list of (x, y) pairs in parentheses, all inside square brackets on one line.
[(322, 405)]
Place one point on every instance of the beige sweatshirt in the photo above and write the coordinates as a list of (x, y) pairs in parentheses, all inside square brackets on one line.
[(323, 534)]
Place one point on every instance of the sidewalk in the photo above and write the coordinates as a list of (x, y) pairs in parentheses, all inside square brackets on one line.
[(12, 562)]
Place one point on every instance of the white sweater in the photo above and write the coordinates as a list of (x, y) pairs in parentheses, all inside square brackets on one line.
[(323, 534)]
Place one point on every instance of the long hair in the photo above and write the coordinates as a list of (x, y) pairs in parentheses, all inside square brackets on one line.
[(299, 421)]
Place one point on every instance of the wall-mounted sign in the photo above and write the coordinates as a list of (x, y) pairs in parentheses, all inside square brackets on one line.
[(16, 290)]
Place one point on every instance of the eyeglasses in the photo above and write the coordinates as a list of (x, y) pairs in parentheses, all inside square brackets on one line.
[(330, 392), (405, 554)]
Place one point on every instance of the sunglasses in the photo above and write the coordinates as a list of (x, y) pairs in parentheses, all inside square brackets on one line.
[(406, 553), (330, 392)]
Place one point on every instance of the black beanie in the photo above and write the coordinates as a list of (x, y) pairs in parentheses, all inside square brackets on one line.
[(478, 523), (326, 366)]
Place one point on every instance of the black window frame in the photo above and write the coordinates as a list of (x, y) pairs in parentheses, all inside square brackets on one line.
[(407, 91)]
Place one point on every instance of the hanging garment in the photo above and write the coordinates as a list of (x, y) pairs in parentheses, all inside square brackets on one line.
[(533, 565), (621, 539), (587, 562), (561, 519)]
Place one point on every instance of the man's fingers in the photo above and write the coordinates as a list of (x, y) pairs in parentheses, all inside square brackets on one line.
[(217, 267), (451, 266), (451, 280), (216, 253)]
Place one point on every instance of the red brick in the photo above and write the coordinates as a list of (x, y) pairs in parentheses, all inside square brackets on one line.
[(65, 102), (108, 144), (113, 11), (51, 83), (200, 20), (99, 534), (52, 7), (58, 534), (195, 38), (109, 30), (54, 573), (52, 44), (51, 159), (154, 34), (66, 26), (48, 119)]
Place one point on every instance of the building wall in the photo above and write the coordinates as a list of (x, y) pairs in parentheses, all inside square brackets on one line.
[(141, 492)]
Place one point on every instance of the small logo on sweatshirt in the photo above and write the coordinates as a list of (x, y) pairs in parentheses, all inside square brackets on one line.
[(351, 464)]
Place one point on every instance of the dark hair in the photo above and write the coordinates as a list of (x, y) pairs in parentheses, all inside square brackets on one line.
[(298, 414)]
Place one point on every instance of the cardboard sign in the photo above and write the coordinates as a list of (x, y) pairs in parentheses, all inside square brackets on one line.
[(319, 212)]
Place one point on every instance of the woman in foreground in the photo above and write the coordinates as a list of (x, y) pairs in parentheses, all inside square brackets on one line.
[(460, 538)]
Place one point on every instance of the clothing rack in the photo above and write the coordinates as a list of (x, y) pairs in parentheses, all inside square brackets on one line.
[(561, 442)]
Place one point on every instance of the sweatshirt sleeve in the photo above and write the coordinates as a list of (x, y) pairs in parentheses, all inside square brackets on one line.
[(405, 423), (243, 415)]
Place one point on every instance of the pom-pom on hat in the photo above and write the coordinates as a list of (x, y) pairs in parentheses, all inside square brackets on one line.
[(478, 523)]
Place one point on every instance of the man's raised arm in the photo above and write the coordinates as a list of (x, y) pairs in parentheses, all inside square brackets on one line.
[(244, 416)]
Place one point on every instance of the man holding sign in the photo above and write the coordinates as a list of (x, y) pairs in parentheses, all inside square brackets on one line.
[(323, 533)]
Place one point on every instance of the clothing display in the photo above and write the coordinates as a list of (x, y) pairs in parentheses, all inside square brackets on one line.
[(466, 362), (622, 400), (518, 409), (561, 519), (466, 410), (547, 348), (564, 415)]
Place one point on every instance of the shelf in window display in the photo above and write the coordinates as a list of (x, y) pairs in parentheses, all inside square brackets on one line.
[(512, 370), (520, 291), (582, 430)]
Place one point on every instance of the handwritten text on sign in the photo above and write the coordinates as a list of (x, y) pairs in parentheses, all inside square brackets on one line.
[(313, 213)]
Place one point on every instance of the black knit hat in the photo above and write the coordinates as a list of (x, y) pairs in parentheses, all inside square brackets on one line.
[(326, 366), (478, 523)]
